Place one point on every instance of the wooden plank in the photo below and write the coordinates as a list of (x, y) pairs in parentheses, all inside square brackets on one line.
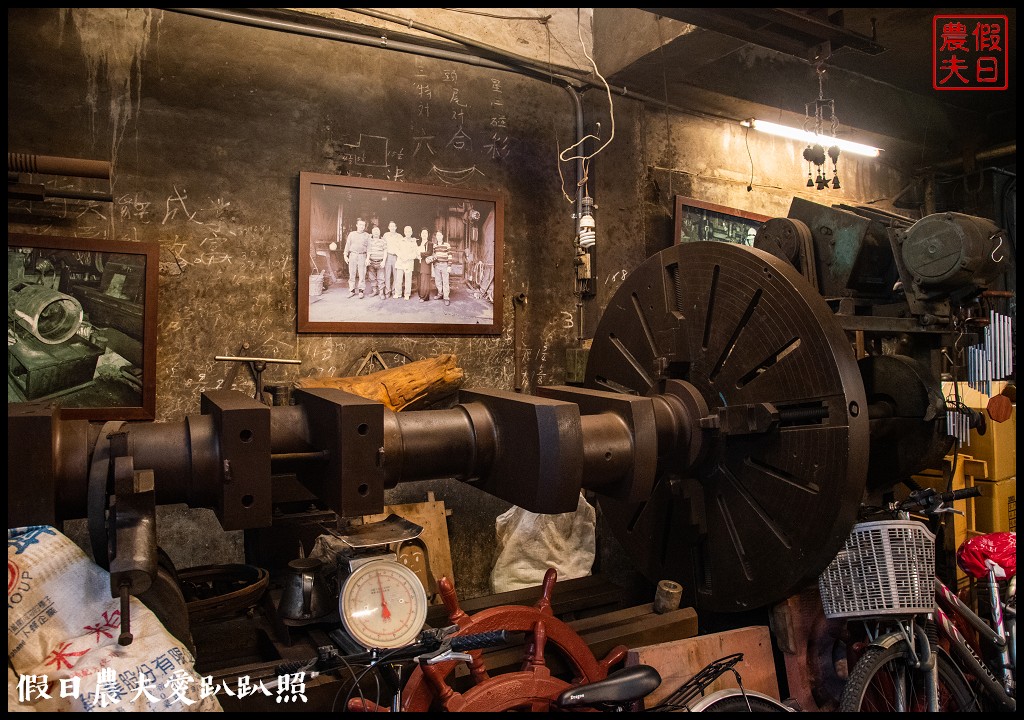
[(431, 516), (679, 660), (611, 619), (591, 595), (674, 625)]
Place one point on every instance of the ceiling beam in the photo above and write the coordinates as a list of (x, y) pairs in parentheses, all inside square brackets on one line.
[(784, 30)]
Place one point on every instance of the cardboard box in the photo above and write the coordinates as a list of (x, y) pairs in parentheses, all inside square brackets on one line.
[(998, 446), (957, 526), (996, 509)]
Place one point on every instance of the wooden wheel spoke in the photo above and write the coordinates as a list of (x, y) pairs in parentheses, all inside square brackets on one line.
[(450, 598), (436, 675), (547, 587), (534, 656), (477, 668)]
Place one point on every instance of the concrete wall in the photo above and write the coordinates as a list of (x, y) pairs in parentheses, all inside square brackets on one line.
[(208, 125)]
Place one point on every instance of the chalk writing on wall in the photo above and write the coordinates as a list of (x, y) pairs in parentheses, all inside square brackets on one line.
[(457, 123)]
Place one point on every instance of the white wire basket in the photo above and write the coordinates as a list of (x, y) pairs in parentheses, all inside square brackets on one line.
[(885, 568)]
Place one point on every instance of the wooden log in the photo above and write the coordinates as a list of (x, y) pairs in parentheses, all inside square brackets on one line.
[(412, 386)]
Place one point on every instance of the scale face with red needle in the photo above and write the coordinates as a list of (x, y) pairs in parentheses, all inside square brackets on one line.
[(383, 604)]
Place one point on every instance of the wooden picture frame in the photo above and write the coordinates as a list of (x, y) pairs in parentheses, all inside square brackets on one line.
[(334, 296), (81, 325), (696, 220)]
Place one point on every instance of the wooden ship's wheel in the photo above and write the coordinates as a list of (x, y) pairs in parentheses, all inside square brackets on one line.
[(533, 688)]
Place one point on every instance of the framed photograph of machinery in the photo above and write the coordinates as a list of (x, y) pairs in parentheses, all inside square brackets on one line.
[(697, 220), (377, 256), (81, 325)]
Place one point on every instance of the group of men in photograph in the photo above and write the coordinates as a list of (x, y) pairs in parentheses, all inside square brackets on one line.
[(384, 264)]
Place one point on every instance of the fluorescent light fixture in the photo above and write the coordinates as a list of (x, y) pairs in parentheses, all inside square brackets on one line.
[(809, 137)]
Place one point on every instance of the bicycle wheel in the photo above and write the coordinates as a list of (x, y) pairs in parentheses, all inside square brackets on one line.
[(883, 680), (732, 700), (377, 360)]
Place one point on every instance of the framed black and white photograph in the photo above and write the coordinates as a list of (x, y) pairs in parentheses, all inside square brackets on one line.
[(81, 325), (697, 221), (377, 256)]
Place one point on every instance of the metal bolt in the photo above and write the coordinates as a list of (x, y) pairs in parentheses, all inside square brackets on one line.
[(125, 638)]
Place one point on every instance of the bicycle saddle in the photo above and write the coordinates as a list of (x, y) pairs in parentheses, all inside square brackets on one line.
[(619, 687)]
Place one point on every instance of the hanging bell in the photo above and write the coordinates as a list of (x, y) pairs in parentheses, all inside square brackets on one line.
[(833, 153), (810, 180), (822, 182)]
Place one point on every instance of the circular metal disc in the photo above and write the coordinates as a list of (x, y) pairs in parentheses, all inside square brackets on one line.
[(761, 514), (912, 435)]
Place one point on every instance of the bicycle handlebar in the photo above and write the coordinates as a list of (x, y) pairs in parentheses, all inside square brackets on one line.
[(480, 640), (431, 644), (930, 500)]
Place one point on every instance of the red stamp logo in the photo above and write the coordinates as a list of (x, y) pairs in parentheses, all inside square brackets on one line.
[(970, 52)]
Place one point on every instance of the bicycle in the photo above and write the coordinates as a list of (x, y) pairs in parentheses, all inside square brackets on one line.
[(377, 360), (915, 658), (432, 646), (624, 690)]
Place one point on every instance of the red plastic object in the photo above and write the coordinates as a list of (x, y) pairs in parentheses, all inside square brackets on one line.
[(999, 548)]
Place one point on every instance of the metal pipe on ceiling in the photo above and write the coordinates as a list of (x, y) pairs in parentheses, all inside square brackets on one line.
[(990, 154), (468, 42), (296, 28)]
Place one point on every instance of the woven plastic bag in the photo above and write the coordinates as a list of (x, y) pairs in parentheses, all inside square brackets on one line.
[(62, 638), (530, 543)]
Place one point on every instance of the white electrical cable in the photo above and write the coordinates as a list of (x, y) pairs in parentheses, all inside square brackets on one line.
[(611, 112)]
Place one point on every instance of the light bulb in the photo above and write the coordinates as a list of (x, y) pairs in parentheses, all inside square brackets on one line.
[(588, 232)]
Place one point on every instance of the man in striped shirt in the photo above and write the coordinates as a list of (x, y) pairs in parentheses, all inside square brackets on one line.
[(442, 266), (377, 251)]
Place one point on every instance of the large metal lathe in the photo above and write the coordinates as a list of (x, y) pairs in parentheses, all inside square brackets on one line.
[(739, 404)]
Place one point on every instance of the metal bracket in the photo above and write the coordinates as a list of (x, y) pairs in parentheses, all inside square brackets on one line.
[(257, 365)]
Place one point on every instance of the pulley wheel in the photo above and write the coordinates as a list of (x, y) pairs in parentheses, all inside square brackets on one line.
[(759, 514), (908, 425), (784, 238)]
